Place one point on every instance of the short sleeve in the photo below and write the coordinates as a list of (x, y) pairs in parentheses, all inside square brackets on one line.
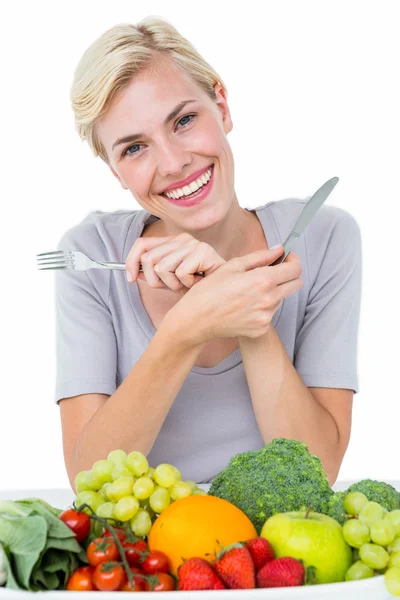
[(327, 342), (86, 350)]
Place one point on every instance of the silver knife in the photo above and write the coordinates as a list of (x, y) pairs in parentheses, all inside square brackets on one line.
[(314, 203)]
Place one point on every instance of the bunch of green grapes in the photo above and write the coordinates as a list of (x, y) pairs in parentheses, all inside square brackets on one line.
[(124, 487), (374, 534)]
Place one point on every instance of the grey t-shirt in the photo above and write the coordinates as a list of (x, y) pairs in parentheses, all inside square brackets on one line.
[(102, 330)]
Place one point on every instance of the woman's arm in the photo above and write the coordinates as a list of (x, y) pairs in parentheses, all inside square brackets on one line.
[(133, 415)]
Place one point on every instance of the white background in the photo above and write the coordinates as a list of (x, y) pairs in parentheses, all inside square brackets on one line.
[(312, 88)]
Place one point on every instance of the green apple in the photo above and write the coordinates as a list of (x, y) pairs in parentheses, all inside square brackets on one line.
[(314, 538)]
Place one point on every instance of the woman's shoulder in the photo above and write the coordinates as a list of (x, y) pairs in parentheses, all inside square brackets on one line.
[(102, 233)]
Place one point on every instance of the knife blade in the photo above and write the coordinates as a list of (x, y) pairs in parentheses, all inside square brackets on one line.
[(313, 204)]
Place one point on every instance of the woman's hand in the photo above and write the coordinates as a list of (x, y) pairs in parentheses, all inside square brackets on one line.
[(171, 262), (238, 299)]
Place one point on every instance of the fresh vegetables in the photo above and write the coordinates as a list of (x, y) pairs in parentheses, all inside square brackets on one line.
[(3, 570), (375, 491), (41, 551), (281, 477)]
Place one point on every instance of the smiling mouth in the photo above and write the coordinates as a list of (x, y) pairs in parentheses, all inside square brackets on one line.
[(163, 194)]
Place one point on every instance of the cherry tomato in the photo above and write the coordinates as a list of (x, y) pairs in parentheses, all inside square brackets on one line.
[(81, 580), (101, 550), (156, 562), (109, 577), (79, 522), (165, 583), (121, 535), (138, 582), (134, 551)]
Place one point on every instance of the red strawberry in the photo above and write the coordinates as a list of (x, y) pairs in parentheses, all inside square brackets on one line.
[(198, 574), (261, 551), (281, 572), (235, 567)]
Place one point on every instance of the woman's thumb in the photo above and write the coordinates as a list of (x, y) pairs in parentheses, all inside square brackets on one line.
[(261, 258)]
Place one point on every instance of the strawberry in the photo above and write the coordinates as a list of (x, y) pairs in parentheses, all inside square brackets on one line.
[(198, 574), (261, 551), (235, 567), (281, 572)]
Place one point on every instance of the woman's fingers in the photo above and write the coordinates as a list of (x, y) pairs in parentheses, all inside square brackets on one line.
[(141, 246)]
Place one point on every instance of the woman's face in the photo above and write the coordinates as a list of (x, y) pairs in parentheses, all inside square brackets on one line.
[(165, 153)]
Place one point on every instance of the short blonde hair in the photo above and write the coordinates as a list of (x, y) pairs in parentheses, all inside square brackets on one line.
[(110, 62)]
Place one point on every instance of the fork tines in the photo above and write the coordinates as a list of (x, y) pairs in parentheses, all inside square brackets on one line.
[(55, 260)]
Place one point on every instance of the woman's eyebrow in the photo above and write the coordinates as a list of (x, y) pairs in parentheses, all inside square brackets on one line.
[(172, 115)]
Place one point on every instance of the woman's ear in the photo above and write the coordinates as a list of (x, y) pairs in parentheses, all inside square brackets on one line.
[(222, 104)]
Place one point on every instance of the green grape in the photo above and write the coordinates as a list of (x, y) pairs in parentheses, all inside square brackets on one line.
[(141, 523), (159, 500), (394, 517), (103, 491), (382, 532), (180, 490), (90, 497), (354, 502), (199, 492), (117, 457), (394, 546), (178, 474), (371, 512), (356, 533), (126, 508), (121, 471), (165, 475), (358, 570), (374, 556), (145, 504), (93, 480), (392, 581), (119, 488), (102, 470), (106, 510), (137, 463), (394, 560), (80, 482), (143, 487), (150, 472), (193, 484)]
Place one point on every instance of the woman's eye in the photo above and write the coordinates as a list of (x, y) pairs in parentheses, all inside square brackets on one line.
[(125, 152)]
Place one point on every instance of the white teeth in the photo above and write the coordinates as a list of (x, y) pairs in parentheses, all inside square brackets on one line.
[(192, 187)]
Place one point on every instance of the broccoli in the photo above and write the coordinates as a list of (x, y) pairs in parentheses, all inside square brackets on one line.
[(376, 491), (281, 477)]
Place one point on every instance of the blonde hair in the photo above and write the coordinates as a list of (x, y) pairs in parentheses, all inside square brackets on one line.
[(110, 62)]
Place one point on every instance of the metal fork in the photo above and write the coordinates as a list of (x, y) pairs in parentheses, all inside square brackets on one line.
[(74, 259)]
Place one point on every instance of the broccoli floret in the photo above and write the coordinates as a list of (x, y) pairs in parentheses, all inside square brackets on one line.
[(335, 507), (376, 491), (283, 476)]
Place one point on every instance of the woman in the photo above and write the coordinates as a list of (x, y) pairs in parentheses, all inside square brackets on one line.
[(192, 369)]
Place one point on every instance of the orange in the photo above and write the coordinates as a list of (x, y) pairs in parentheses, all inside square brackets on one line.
[(194, 525)]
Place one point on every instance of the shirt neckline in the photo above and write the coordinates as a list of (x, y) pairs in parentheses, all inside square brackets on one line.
[(234, 359)]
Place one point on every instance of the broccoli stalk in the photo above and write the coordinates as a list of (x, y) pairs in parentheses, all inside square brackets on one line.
[(281, 477)]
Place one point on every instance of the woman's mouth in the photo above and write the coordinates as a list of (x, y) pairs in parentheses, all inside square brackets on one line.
[(207, 180)]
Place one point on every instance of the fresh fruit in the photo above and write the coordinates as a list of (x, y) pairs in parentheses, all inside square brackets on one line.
[(162, 582), (312, 537), (356, 533), (137, 463), (159, 500), (190, 527), (374, 556), (126, 508), (109, 577), (81, 580), (394, 518), (143, 487), (117, 457), (156, 562), (394, 560), (165, 475), (382, 532), (235, 567), (123, 486), (261, 552), (281, 572), (89, 497), (371, 512), (394, 546), (120, 533), (354, 502), (359, 570), (392, 581), (135, 551), (100, 550), (197, 574), (78, 522), (141, 523)]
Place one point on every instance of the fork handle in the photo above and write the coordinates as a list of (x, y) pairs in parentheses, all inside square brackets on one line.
[(122, 267)]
